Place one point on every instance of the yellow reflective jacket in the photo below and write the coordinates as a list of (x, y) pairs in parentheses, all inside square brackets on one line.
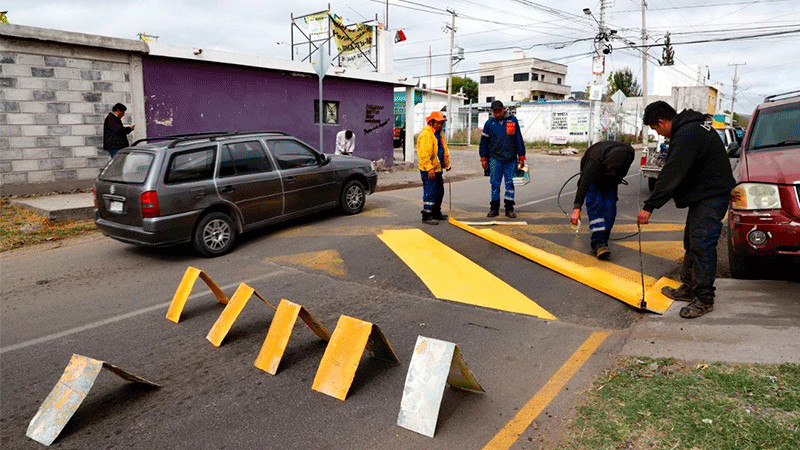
[(428, 149)]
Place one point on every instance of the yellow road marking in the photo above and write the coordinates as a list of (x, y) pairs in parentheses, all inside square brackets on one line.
[(328, 261), (451, 276), (671, 250), (608, 278), (528, 413), (565, 228)]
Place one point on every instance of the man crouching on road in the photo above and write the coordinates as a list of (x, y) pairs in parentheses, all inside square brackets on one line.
[(603, 167), (502, 150), (433, 156), (696, 174)]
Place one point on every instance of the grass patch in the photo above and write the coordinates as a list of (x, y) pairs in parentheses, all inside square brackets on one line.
[(664, 403), (20, 227)]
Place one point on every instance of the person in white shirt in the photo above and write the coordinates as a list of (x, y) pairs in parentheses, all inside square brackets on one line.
[(345, 142)]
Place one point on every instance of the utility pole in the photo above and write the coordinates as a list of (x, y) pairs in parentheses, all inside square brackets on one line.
[(735, 82), (386, 17), (644, 71), (598, 78), (452, 28)]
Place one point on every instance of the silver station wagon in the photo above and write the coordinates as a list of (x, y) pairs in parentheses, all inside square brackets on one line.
[(207, 188)]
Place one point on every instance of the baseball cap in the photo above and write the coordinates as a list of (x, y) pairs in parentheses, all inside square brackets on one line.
[(437, 116), (497, 104)]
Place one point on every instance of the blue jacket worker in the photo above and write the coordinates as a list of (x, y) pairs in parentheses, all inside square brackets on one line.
[(697, 175), (502, 151), (433, 157), (604, 165)]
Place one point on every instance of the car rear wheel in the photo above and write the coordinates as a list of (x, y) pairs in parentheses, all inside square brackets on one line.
[(215, 235), (353, 197)]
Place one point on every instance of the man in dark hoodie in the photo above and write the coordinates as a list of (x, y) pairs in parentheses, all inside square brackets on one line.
[(696, 175), (115, 134), (603, 167)]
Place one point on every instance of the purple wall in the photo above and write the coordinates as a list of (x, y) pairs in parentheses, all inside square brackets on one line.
[(186, 97)]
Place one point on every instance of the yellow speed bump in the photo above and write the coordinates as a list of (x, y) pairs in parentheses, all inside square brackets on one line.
[(279, 332), (451, 276), (343, 353), (606, 281), (185, 288), (223, 324)]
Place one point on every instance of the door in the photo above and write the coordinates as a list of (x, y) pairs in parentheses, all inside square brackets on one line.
[(248, 179), (309, 180)]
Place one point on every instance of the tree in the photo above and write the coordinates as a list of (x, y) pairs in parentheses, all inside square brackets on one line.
[(623, 80), (469, 85), (667, 54)]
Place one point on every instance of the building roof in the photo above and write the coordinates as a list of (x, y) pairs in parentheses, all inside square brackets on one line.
[(194, 54)]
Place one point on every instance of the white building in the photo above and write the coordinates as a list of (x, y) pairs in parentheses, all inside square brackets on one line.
[(522, 79), (690, 86)]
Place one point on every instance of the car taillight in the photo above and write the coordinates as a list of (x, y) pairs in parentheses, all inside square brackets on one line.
[(94, 196), (149, 202), (644, 160)]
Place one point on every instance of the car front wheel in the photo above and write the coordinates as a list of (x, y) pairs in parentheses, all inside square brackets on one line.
[(215, 235), (353, 197)]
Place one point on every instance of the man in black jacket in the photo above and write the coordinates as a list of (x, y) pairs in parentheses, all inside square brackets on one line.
[(115, 135), (603, 167), (696, 175)]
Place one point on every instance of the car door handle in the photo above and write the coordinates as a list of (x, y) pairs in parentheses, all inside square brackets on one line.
[(228, 188), (198, 193), (290, 179)]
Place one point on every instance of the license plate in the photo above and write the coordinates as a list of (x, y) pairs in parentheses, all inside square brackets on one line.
[(115, 207)]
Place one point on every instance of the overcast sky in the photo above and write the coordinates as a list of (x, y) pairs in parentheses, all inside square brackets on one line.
[(487, 30)]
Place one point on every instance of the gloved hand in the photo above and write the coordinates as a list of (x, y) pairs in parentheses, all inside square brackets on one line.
[(521, 162), (484, 163)]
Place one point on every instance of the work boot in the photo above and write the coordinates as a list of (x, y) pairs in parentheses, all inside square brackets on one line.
[(602, 253), (681, 294), (428, 218), (494, 208), (438, 215), (696, 308), (509, 206)]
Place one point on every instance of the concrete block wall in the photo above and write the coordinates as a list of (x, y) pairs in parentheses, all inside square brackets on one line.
[(53, 101)]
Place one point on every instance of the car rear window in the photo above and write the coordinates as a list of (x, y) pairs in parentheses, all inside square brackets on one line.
[(192, 165), (130, 167), (776, 128), (242, 158)]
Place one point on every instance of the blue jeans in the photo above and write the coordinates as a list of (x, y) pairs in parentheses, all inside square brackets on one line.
[(601, 208), (499, 170), (432, 193), (700, 236)]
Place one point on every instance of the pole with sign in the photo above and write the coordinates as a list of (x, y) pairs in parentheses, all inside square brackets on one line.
[(321, 63)]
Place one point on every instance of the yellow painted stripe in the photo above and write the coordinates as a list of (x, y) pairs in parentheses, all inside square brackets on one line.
[(608, 278), (528, 413), (328, 261), (451, 276), (561, 228), (670, 250)]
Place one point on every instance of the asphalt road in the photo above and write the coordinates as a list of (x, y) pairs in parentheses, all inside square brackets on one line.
[(107, 300)]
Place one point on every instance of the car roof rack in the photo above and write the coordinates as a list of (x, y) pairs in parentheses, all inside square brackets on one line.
[(178, 136), (214, 136), (776, 97)]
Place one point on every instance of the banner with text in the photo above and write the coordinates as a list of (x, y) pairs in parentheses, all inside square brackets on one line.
[(354, 43)]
